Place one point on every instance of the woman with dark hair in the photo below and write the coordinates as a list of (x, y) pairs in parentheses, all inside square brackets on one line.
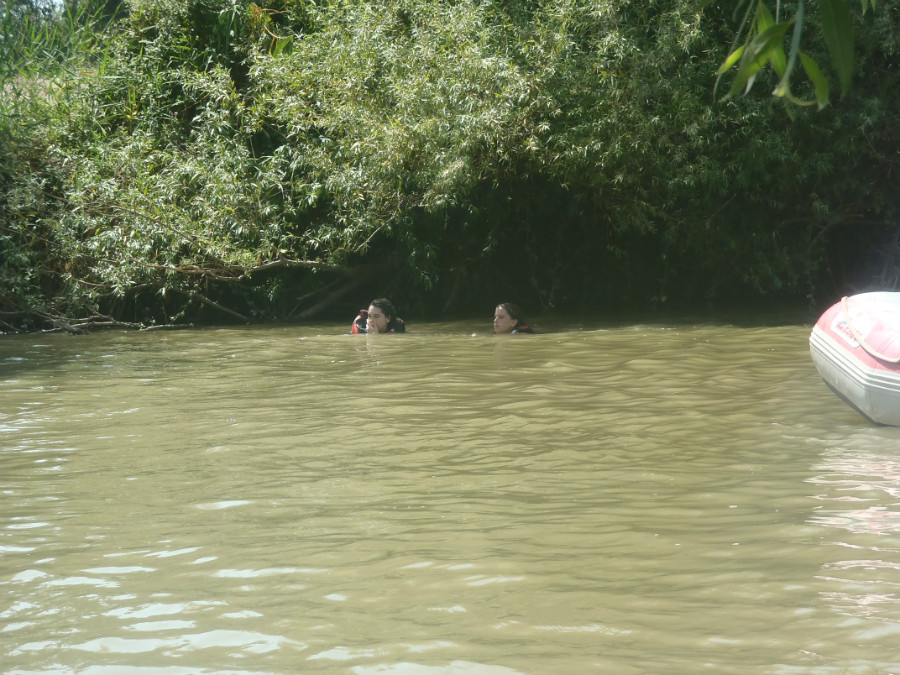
[(508, 319), (381, 317)]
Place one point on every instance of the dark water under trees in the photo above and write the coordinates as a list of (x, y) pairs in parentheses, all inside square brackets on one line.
[(675, 498)]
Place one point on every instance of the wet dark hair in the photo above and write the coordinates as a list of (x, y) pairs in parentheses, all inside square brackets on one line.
[(514, 312), (386, 306)]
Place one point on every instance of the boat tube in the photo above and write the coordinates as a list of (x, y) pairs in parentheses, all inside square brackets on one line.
[(855, 346)]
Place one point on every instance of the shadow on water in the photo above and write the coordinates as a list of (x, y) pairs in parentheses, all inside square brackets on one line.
[(55, 351)]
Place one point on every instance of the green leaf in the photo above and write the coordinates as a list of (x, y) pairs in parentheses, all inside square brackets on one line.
[(280, 44), (765, 21), (764, 18), (783, 88), (731, 60), (837, 30), (818, 79), (762, 49)]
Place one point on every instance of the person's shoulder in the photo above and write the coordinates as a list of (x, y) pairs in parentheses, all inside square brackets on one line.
[(524, 328)]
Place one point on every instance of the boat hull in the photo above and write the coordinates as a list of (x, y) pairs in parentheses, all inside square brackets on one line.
[(855, 346)]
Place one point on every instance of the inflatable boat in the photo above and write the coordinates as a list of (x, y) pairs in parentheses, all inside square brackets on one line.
[(855, 346)]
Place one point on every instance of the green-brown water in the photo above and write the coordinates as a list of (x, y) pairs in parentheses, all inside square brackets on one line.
[(638, 499)]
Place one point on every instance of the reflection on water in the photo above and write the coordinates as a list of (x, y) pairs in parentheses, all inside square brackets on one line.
[(631, 499), (859, 495), (862, 480)]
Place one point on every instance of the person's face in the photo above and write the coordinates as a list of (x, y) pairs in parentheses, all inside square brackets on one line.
[(377, 321), (503, 322)]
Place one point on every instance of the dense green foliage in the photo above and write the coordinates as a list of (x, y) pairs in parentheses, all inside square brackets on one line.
[(264, 160)]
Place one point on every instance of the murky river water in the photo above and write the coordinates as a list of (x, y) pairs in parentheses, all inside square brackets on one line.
[(636, 499)]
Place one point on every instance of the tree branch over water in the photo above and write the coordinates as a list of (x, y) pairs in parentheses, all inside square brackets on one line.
[(760, 41)]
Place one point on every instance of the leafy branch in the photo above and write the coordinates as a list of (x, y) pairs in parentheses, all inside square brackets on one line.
[(764, 43)]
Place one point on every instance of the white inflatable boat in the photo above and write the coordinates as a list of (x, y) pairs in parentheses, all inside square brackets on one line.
[(855, 346)]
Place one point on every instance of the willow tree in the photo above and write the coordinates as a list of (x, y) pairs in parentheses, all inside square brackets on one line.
[(260, 160)]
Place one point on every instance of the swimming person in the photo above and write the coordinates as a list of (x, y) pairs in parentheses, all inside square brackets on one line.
[(508, 319), (381, 317)]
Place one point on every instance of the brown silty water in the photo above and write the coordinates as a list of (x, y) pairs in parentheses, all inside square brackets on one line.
[(643, 498)]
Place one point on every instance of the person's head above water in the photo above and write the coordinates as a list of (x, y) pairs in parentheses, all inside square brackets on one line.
[(383, 317), (508, 318)]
